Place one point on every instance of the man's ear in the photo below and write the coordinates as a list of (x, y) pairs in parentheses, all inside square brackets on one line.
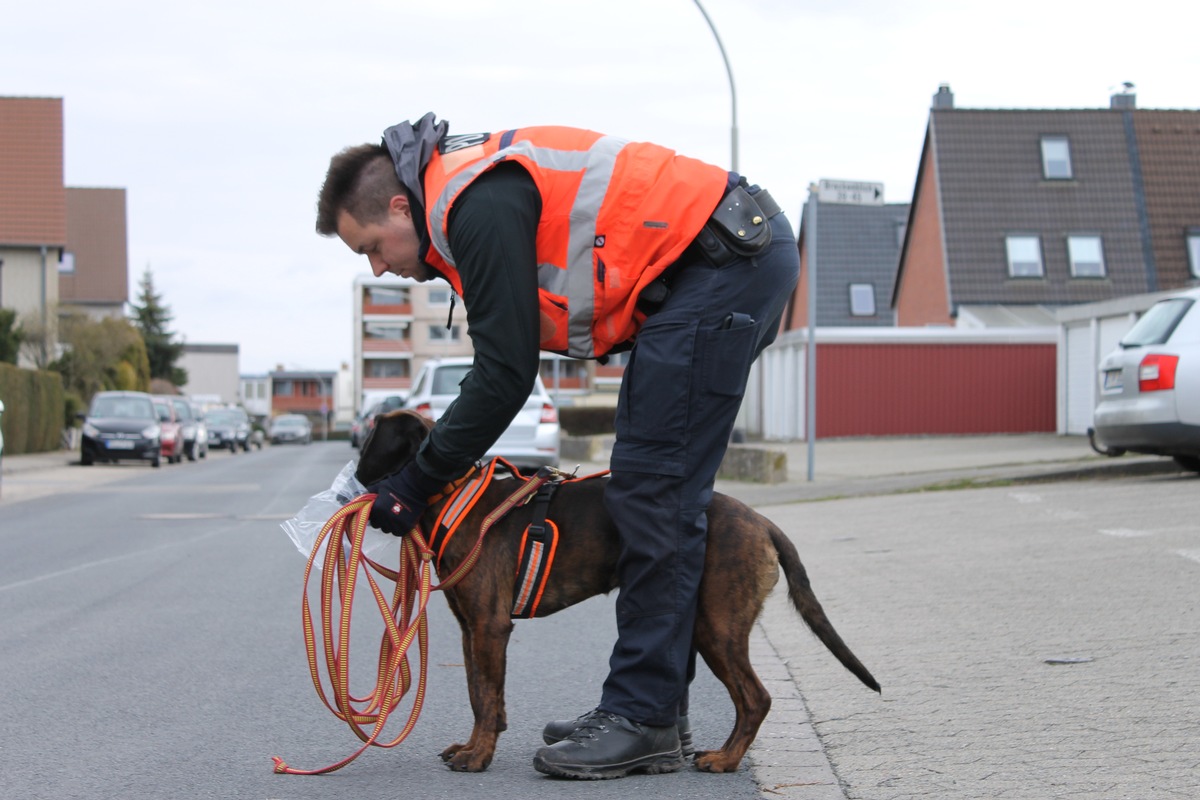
[(399, 205)]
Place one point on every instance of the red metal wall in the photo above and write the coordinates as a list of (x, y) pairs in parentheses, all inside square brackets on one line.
[(916, 389)]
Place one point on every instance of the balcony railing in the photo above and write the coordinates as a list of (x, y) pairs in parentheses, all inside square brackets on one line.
[(387, 346)]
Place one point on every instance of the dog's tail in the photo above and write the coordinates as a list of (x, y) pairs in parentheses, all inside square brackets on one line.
[(801, 593)]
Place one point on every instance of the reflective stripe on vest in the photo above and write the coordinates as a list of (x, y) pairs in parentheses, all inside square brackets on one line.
[(576, 281)]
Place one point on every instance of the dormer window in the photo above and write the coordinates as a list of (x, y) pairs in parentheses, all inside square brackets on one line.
[(1087, 256), (862, 300), (1056, 158), (1024, 256)]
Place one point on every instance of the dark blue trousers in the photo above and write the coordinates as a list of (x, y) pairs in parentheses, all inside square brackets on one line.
[(681, 392)]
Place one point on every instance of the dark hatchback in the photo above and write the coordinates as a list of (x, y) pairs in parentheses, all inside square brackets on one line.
[(121, 426), (228, 428)]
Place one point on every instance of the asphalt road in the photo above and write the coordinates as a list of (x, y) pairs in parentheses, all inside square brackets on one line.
[(151, 648)]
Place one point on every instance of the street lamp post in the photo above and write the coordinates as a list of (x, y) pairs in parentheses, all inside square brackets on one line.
[(733, 131)]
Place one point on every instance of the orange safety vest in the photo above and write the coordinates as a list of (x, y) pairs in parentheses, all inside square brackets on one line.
[(615, 214)]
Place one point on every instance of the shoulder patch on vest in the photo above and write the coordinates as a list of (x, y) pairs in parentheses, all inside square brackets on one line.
[(451, 143)]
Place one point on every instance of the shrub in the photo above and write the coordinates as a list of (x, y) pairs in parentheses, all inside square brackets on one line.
[(587, 420)]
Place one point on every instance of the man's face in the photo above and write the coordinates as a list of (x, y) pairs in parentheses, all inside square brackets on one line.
[(391, 245)]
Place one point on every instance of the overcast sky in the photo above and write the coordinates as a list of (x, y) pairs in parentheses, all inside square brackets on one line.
[(219, 117)]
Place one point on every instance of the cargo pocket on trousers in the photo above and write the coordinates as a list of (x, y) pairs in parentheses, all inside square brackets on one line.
[(655, 389), (728, 352)]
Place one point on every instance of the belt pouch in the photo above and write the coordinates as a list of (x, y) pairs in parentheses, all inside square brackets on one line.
[(740, 223)]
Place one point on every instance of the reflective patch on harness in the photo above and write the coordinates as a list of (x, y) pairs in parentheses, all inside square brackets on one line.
[(455, 511), (537, 556)]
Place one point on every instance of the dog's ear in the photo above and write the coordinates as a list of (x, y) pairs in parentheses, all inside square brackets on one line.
[(391, 444)]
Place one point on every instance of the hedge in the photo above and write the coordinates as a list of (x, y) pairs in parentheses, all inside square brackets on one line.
[(32, 420), (587, 420)]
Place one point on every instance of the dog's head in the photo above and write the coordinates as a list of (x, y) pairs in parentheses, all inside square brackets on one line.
[(390, 445)]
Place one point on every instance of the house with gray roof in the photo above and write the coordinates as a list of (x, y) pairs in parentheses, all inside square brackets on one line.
[(1017, 212), (857, 247)]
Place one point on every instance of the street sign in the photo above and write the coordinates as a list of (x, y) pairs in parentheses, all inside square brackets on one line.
[(857, 193)]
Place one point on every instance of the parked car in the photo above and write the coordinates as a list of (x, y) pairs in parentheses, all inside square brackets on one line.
[(229, 429), (290, 428), (172, 429), (1150, 385), (195, 432), (121, 426), (531, 440), (366, 421)]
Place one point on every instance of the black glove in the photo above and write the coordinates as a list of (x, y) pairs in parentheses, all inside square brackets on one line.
[(400, 499)]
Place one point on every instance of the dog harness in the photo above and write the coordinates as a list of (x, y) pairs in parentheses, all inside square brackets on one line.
[(539, 542), (538, 545)]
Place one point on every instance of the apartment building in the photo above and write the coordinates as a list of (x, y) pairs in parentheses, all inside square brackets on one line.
[(399, 324)]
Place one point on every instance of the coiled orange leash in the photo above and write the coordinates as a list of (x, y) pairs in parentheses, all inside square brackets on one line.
[(406, 611), (413, 585)]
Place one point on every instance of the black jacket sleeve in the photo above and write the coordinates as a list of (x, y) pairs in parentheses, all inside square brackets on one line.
[(493, 234)]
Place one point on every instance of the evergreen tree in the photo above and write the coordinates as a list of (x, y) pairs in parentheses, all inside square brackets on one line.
[(151, 316)]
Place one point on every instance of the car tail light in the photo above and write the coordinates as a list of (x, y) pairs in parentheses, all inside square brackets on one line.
[(549, 415), (1157, 372), (424, 409)]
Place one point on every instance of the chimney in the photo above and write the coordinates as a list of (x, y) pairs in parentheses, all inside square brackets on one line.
[(944, 97), (1125, 99)]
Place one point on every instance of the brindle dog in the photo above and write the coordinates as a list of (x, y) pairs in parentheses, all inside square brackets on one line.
[(745, 552)]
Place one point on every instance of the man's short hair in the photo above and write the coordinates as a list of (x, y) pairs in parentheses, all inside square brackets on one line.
[(362, 181)]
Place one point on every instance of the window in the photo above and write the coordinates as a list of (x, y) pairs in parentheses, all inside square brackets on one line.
[(282, 388), (1024, 256), (387, 295), (1087, 256), (439, 333), (66, 263), (391, 331), (1056, 158), (862, 300), (439, 297), (386, 368), (1158, 323), (1193, 246)]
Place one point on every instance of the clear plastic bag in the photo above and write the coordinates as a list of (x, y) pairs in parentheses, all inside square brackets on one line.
[(304, 528)]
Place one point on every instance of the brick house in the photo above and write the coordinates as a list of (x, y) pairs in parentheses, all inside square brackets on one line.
[(33, 212), (94, 274), (1018, 211)]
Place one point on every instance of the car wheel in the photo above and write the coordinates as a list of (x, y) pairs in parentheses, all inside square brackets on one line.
[(191, 453), (86, 460), (157, 462), (1190, 463)]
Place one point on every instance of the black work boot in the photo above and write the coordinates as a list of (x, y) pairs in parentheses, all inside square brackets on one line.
[(559, 729), (605, 745)]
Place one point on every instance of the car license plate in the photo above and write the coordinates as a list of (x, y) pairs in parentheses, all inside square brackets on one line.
[(120, 444), (1112, 379)]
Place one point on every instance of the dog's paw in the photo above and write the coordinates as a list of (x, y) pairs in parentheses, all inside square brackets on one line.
[(451, 751), (716, 761), (466, 760)]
